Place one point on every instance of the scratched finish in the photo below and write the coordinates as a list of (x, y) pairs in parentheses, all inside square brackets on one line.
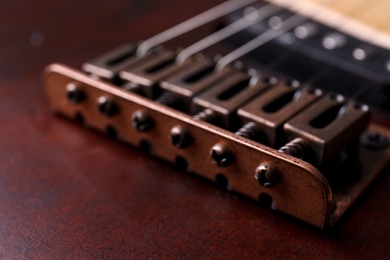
[(67, 192)]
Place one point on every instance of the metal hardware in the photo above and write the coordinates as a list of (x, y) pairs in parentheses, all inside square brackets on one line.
[(208, 116), (260, 40), (271, 110), (334, 41), (252, 131), (75, 94), (198, 76), (329, 126), (298, 147), (107, 106), (298, 180), (108, 65), (267, 175), (193, 23), (180, 137), (363, 53), (306, 31), (142, 121), (169, 99), (221, 155), (151, 69), (225, 97), (260, 14)]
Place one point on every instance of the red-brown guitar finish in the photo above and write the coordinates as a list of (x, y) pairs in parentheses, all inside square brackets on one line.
[(68, 192)]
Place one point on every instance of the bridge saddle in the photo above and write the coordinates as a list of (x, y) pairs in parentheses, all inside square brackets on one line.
[(292, 147)]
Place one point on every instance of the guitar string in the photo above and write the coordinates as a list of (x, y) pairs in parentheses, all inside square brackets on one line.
[(287, 54), (260, 40), (235, 27), (192, 23), (361, 91), (220, 11), (324, 71), (327, 70)]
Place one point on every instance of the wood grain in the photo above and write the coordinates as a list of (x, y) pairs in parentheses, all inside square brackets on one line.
[(68, 192), (363, 19)]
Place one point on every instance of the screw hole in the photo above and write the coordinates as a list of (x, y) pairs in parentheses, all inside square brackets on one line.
[(112, 132), (222, 181), (265, 200), (145, 146), (181, 163)]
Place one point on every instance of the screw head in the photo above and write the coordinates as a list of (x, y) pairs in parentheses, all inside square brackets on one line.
[(221, 155), (142, 121), (374, 140), (75, 94), (107, 107), (267, 175), (180, 137)]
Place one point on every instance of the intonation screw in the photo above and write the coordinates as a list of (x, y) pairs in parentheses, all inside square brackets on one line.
[(297, 148), (107, 107), (180, 137), (267, 175), (74, 93), (207, 115), (221, 155), (142, 121), (251, 131)]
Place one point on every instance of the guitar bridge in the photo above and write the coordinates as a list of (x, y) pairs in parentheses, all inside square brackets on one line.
[(287, 145)]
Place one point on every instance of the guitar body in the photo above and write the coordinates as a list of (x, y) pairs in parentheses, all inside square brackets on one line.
[(69, 192)]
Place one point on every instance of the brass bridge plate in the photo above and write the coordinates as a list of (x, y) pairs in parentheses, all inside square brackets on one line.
[(303, 191)]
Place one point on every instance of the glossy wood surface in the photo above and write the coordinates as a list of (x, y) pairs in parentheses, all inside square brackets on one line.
[(67, 192)]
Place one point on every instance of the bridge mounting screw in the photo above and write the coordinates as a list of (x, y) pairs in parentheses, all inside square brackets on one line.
[(75, 94), (180, 137), (221, 155), (107, 107), (142, 121), (267, 175), (374, 140)]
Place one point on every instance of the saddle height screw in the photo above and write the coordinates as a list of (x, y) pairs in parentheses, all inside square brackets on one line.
[(267, 175), (180, 138), (142, 121), (221, 155), (75, 94), (107, 107)]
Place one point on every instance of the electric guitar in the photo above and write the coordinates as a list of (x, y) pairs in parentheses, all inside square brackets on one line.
[(284, 102)]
